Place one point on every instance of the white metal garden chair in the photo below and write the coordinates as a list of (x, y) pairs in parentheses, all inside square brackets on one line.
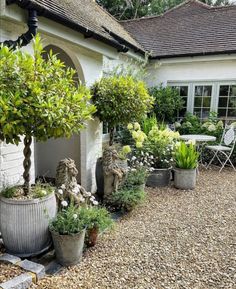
[(224, 150)]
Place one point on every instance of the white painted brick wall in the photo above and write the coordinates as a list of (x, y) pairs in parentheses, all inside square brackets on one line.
[(11, 164)]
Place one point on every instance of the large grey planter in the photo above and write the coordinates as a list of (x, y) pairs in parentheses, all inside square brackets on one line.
[(68, 248), (159, 178), (24, 225), (185, 179)]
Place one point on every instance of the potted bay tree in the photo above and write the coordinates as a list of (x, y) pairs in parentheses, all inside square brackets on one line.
[(38, 99)]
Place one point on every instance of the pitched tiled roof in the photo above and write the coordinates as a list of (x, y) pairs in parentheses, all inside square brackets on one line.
[(192, 28), (85, 16)]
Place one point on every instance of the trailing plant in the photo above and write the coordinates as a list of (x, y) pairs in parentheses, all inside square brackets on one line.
[(167, 103), (95, 217), (120, 100), (186, 156), (127, 198), (39, 99), (68, 221)]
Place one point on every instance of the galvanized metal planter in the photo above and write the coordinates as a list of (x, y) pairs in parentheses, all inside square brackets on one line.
[(68, 248), (24, 225), (159, 178), (185, 179)]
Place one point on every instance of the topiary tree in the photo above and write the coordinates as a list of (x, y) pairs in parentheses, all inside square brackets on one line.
[(167, 103), (120, 100), (39, 98)]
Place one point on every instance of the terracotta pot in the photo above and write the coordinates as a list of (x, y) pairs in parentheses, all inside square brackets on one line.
[(92, 235)]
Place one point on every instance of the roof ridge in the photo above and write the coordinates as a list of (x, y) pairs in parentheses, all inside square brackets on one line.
[(170, 10)]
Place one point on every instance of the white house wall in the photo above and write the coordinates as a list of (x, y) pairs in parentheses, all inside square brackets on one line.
[(87, 55)]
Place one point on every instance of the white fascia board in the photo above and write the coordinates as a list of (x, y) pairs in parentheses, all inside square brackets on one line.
[(206, 58), (16, 14)]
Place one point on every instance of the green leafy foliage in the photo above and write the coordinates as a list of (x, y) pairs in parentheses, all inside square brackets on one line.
[(38, 97), (148, 123), (120, 100), (167, 103), (136, 176), (9, 192), (132, 9), (68, 221), (186, 156), (127, 198), (95, 217)]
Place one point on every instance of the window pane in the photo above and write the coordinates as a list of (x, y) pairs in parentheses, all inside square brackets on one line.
[(198, 90), (198, 101), (205, 112), (206, 102), (183, 90), (223, 101), (185, 99), (197, 111), (222, 112), (233, 90), (224, 89), (232, 113), (207, 90), (232, 102)]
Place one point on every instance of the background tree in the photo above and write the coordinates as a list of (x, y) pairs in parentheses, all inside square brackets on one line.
[(40, 99), (120, 100), (167, 103), (132, 9)]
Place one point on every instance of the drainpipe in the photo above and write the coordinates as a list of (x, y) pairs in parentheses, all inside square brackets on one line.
[(25, 38)]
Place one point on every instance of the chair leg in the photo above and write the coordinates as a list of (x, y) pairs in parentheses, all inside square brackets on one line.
[(215, 154)]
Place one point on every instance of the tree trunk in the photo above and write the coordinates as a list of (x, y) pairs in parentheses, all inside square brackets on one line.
[(111, 136), (27, 163)]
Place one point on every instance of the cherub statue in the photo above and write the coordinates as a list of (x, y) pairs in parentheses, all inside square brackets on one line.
[(113, 174)]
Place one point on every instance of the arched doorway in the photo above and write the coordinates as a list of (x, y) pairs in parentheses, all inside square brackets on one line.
[(49, 153)]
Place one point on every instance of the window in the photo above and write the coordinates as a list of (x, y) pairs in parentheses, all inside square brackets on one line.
[(183, 92), (227, 102), (202, 100)]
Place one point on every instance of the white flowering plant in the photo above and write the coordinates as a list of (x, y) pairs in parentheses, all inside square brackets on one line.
[(159, 147), (68, 221), (78, 195)]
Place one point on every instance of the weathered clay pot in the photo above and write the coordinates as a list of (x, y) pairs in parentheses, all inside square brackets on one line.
[(24, 225), (92, 236), (68, 248), (185, 179), (159, 178)]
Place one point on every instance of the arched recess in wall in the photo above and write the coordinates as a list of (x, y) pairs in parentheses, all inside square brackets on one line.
[(49, 153)]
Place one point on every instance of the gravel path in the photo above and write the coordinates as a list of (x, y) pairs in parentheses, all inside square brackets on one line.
[(176, 240), (9, 271)]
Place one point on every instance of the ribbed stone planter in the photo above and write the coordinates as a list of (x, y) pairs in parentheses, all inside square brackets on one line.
[(24, 225), (159, 178), (68, 248), (185, 179)]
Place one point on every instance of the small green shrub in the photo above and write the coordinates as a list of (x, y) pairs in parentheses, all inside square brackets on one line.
[(41, 190), (9, 192), (186, 156), (148, 123), (136, 177), (127, 199), (68, 221), (95, 217)]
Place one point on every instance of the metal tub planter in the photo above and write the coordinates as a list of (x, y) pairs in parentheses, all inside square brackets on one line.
[(24, 224), (185, 179), (159, 178)]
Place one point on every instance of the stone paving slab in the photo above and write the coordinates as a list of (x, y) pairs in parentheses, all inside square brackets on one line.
[(7, 258), (33, 267), (20, 282)]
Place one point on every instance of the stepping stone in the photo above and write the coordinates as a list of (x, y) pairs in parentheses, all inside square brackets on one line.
[(35, 268), (7, 258), (20, 282)]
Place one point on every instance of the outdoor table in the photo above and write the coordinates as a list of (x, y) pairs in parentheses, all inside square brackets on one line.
[(200, 139)]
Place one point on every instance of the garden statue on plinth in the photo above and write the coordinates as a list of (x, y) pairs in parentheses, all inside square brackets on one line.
[(113, 173)]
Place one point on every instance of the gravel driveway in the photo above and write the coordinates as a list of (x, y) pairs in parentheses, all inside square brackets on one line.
[(176, 240)]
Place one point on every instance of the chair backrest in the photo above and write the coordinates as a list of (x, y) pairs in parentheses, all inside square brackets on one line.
[(229, 137)]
